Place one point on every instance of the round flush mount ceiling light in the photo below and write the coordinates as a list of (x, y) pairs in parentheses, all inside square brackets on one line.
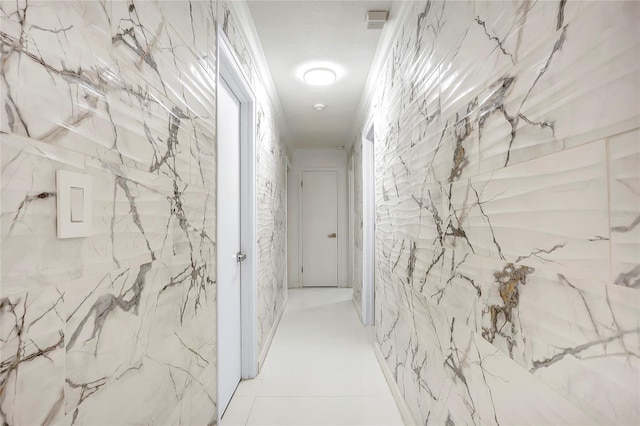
[(319, 107), (319, 76)]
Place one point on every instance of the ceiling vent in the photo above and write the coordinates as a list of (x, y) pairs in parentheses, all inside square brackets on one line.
[(376, 19)]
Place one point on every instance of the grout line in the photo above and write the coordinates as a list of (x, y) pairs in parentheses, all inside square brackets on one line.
[(250, 410), (388, 395), (394, 388)]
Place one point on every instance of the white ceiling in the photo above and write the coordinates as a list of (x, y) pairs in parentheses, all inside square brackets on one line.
[(295, 34)]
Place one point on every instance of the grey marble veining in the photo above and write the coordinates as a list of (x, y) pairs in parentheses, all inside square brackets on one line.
[(624, 215), (117, 328), (356, 154), (507, 198)]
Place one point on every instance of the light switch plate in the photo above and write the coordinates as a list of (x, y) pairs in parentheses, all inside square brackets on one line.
[(74, 194)]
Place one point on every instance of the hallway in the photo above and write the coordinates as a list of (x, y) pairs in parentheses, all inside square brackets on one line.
[(321, 369), (469, 170)]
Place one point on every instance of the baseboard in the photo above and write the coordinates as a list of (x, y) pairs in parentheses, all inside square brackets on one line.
[(358, 308), (407, 417), (294, 284), (267, 343)]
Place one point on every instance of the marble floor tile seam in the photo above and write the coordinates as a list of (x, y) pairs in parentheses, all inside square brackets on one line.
[(322, 396), (336, 411), (288, 388), (309, 347), (327, 395)]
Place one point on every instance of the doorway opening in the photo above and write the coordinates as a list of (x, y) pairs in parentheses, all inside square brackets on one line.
[(236, 226)]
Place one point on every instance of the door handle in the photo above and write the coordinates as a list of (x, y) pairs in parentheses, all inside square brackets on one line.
[(240, 256), (334, 235)]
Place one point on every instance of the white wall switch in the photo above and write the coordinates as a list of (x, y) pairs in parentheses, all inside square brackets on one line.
[(74, 193), (77, 204)]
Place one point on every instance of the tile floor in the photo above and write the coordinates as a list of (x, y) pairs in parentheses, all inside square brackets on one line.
[(320, 370)]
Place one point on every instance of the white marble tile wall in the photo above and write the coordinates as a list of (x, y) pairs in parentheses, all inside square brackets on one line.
[(117, 328), (508, 212), (357, 224), (271, 188)]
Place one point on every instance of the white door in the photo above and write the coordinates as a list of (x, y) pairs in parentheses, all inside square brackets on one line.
[(320, 229), (229, 343)]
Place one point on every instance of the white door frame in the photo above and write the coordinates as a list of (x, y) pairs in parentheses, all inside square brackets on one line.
[(351, 227), (368, 225), (230, 70), (300, 246)]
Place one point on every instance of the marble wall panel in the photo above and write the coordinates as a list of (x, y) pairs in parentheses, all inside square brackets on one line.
[(119, 327), (564, 194), (33, 357), (506, 202), (624, 214), (356, 159)]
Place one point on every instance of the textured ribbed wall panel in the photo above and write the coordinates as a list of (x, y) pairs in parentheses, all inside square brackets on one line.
[(507, 157), (357, 225)]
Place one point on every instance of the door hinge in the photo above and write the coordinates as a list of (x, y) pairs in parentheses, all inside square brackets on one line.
[(302, 269), (301, 184)]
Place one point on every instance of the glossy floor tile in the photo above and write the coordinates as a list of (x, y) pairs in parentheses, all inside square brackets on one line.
[(320, 370)]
